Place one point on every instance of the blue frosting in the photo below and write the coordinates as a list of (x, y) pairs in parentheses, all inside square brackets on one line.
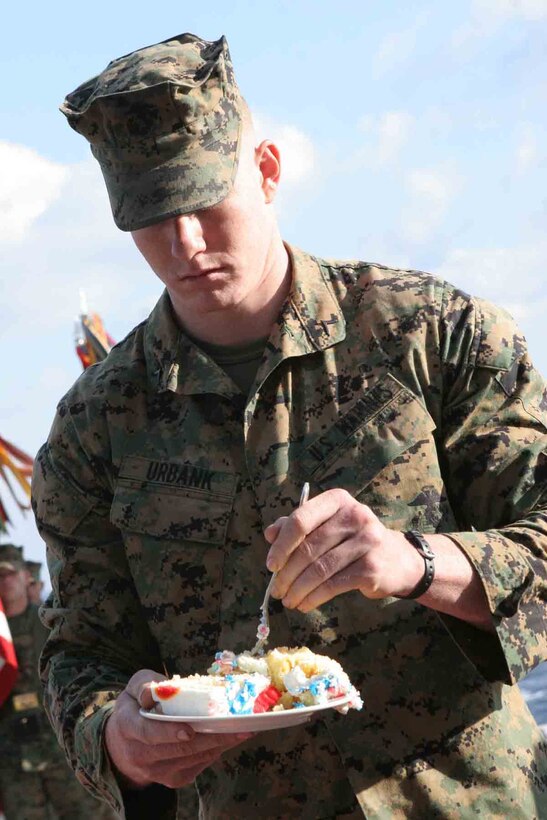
[(241, 696), (319, 686)]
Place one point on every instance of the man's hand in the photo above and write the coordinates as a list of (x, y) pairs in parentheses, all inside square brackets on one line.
[(333, 544), (146, 751)]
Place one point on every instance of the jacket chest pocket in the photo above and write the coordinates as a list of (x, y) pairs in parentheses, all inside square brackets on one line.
[(174, 518), (173, 500), (383, 452)]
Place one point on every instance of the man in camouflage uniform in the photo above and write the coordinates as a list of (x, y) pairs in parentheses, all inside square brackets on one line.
[(170, 477), (35, 780)]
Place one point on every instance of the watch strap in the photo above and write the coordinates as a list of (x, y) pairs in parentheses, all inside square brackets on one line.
[(418, 541)]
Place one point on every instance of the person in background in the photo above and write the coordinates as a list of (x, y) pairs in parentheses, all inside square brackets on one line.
[(35, 780), (35, 584), (168, 487)]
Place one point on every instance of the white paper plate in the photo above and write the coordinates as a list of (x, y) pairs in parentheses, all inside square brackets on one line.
[(248, 723)]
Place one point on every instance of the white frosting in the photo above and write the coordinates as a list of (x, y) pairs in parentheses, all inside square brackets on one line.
[(235, 681), (208, 695), (197, 695), (295, 680)]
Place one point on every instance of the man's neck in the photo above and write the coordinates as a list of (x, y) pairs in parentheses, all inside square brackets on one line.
[(253, 318)]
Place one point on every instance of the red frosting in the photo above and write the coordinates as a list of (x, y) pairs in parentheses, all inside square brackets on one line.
[(267, 699), (166, 690)]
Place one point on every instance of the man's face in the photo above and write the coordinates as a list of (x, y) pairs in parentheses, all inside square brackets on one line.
[(35, 591), (217, 258), (13, 587)]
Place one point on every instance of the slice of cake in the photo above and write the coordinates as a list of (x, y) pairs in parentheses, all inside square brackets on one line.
[(244, 685), (301, 676), (192, 696), (201, 695)]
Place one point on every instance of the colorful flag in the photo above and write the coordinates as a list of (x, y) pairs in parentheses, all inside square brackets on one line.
[(17, 463), (93, 343), (8, 659)]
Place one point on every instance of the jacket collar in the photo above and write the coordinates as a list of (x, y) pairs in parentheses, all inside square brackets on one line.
[(310, 320)]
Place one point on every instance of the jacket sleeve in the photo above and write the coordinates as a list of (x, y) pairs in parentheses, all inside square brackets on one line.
[(99, 636), (493, 447)]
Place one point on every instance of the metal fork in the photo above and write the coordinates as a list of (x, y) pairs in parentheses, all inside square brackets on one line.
[(264, 624)]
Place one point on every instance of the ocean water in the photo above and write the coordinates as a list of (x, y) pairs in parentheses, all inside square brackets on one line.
[(534, 689)]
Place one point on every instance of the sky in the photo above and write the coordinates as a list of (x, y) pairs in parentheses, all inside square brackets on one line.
[(412, 134)]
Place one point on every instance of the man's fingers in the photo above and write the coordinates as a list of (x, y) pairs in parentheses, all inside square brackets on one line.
[(135, 744), (145, 699), (176, 778), (271, 532), (134, 727), (138, 686), (172, 739), (335, 563), (351, 577), (199, 744), (311, 550), (176, 765), (166, 740), (301, 523), (347, 523)]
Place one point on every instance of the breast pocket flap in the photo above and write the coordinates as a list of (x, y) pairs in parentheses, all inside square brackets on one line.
[(173, 500)]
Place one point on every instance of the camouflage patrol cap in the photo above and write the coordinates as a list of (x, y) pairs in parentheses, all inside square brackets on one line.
[(34, 568), (11, 558), (164, 123)]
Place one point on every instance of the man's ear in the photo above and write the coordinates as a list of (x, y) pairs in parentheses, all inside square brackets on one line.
[(269, 162)]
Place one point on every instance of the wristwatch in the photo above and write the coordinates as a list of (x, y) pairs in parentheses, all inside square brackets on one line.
[(421, 545)]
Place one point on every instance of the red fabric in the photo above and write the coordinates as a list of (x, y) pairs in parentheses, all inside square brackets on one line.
[(8, 660)]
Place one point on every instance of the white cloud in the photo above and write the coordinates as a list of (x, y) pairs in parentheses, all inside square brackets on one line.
[(397, 47), (494, 11), (30, 183), (58, 236), (431, 185), (528, 153), (71, 244), (390, 132), (512, 276), (488, 15), (385, 248), (298, 154), (430, 193)]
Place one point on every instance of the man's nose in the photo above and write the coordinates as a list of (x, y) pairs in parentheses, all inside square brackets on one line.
[(188, 239)]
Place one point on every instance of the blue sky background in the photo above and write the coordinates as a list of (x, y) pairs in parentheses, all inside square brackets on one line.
[(414, 134)]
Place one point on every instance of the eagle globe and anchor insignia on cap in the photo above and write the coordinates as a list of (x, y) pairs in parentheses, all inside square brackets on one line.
[(164, 123)]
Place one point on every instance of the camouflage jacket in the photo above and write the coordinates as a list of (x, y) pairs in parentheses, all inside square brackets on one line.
[(26, 738), (159, 476)]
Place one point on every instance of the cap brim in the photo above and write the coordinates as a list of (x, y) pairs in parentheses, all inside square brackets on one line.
[(187, 182), (10, 566)]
